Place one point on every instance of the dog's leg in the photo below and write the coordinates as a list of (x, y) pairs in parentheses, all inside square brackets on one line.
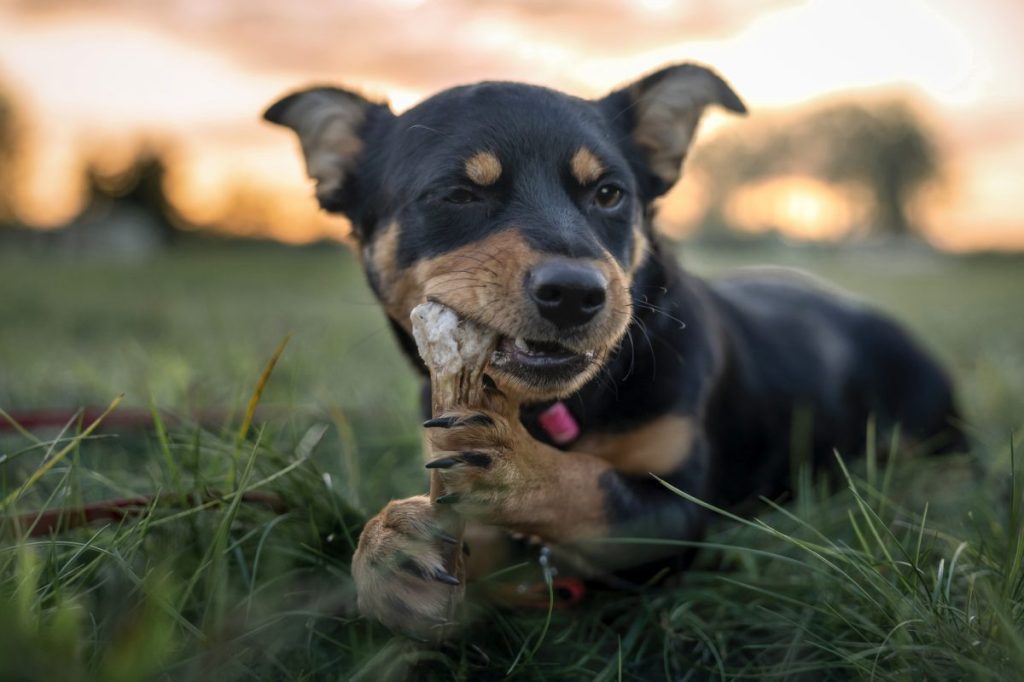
[(497, 474), (399, 568), (399, 571)]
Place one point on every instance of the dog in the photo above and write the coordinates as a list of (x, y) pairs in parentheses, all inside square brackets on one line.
[(530, 212)]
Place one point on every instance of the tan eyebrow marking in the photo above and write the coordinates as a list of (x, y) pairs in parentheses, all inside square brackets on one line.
[(483, 168), (586, 167)]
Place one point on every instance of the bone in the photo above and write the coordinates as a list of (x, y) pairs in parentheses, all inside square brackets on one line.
[(456, 352)]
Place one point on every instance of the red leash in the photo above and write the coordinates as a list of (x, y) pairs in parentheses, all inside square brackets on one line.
[(68, 518)]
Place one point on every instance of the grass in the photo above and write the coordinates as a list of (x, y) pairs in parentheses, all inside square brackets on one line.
[(904, 570)]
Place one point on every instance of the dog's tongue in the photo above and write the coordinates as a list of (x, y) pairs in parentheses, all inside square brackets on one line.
[(559, 423)]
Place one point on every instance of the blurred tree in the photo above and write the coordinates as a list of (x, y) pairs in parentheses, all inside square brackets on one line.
[(735, 158), (127, 214), (885, 148), (137, 189), (8, 156)]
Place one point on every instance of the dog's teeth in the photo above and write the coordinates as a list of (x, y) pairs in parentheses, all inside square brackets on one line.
[(522, 345)]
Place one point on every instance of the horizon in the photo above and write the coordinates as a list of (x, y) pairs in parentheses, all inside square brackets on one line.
[(90, 83)]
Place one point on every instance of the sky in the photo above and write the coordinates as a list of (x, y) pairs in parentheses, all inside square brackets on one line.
[(91, 77)]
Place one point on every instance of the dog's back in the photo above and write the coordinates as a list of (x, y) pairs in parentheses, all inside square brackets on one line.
[(813, 365)]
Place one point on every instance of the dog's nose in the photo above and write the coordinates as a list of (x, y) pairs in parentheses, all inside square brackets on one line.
[(567, 293)]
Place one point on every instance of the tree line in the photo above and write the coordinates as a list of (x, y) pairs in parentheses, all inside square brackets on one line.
[(882, 147)]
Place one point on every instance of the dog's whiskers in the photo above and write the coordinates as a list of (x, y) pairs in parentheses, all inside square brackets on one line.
[(658, 310), (632, 354)]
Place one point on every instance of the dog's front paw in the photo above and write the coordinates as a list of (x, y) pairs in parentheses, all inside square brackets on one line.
[(399, 570), (484, 460)]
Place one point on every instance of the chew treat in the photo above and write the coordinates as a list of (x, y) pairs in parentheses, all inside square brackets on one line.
[(456, 352)]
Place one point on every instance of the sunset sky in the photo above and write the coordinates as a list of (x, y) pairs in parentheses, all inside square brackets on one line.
[(93, 76)]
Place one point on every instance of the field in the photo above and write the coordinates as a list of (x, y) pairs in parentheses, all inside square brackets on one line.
[(903, 570)]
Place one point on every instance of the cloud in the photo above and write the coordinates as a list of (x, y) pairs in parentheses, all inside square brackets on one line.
[(419, 46)]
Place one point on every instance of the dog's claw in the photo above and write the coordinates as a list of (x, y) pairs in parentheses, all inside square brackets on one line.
[(470, 458), (478, 419), (413, 568), (477, 459), (440, 575), (440, 422), (445, 537), (443, 576)]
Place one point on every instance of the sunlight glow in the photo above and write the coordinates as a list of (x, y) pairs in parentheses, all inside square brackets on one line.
[(797, 206), (90, 78)]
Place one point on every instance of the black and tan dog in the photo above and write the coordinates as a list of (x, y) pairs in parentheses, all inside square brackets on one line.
[(529, 211)]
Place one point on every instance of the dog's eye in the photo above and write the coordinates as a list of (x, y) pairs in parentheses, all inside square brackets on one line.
[(608, 196), (460, 196)]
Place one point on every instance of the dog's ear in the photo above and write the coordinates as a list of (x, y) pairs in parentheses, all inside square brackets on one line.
[(332, 125), (660, 113)]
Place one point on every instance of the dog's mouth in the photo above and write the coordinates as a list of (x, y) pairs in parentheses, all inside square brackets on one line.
[(539, 354), (542, 368), (540, 362)]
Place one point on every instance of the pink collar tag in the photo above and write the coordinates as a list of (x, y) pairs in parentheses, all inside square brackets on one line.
[(559, 423)]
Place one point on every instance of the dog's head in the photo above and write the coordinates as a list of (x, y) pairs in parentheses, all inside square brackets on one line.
[(522, 208)]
